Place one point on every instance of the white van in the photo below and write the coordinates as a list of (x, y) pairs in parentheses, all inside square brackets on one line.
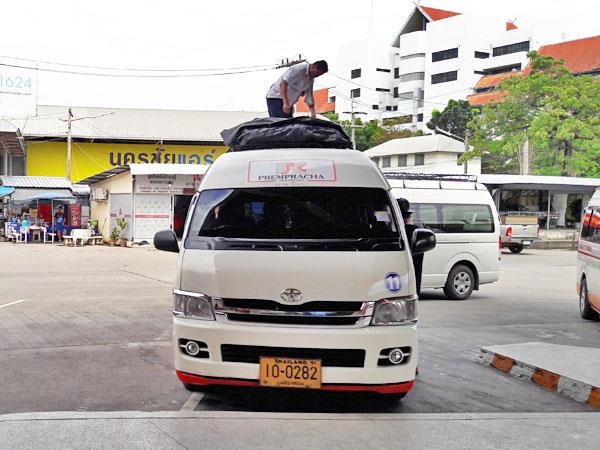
[(295, 272), (588, 261), (463, 216)]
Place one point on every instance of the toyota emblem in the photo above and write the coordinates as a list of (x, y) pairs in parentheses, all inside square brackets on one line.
[(291, 295)]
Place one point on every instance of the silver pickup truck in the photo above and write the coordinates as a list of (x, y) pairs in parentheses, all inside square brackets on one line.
[(518, 232)]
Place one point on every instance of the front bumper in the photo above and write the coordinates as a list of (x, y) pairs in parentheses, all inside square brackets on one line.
[(371, 377)]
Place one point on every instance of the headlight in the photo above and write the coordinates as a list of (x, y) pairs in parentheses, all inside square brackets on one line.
[(192, 305), (395, 311)]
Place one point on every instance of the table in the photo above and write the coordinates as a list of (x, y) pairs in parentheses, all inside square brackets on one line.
[(37, 230)]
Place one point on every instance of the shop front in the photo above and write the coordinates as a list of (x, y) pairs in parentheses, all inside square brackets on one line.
[(147, 197), (34, 201), (557, 202)]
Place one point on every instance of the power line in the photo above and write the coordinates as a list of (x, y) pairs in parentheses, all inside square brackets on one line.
[(123, 75), (133, 69)]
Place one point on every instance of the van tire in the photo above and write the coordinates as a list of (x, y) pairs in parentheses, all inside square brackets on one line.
[(192, 387), (515, 248), (460, 283), (393, 398), (585, 309)]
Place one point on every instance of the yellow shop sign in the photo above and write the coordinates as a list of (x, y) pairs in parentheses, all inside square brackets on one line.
[(87, 159)]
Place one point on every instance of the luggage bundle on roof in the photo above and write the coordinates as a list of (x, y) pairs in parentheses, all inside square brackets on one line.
[(297, 132)]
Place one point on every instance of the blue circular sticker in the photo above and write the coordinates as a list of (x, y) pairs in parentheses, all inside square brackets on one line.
[(393, 282)]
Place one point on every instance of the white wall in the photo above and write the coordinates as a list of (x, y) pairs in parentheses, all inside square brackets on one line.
[(367, 55), (435, 162)]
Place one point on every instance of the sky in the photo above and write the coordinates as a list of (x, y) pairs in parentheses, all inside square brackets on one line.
[(183, 34)]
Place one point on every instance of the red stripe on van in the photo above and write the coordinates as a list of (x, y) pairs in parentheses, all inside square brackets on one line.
[(378, 388)]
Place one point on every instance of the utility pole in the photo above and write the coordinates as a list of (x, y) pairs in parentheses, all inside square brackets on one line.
[(289, 63), (69, 140), (352, 126), (525, 168), (70, 119)]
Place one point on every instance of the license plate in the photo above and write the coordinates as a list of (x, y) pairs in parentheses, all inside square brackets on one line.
[(526, 242), (290, 372)]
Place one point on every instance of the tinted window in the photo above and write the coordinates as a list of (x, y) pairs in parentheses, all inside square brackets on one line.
[(511, 48), (448, 218), (444, 54), (294, 213), (444, 77)]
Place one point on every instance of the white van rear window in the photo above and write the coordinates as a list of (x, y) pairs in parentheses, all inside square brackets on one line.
[(322, 213), (453, 218)]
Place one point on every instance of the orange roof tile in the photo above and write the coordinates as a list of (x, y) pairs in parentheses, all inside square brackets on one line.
[(485, 98), (438, 14), (510, 26), (322, 104), (494, 80), (580, 55)]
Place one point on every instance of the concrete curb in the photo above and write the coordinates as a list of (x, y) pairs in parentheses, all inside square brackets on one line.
[(575, 390), (309, 417)]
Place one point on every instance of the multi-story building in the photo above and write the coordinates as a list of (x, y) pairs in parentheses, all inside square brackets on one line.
[(436, 56)]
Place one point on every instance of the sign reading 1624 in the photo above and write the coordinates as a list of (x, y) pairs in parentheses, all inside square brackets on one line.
[(17, 92), (17, 82)]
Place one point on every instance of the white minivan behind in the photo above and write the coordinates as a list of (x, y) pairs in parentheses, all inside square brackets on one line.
[(463, 216), (588, 261)]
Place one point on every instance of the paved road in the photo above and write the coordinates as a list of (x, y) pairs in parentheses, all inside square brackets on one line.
[(92, 334)]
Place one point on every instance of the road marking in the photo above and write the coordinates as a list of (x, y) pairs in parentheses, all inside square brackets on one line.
[(12, 303), (192, 402)]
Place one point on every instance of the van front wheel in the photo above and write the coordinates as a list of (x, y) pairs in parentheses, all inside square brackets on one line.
[(460, 283)]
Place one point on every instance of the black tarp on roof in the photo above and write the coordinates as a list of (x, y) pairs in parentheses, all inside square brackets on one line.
[(297, 132)]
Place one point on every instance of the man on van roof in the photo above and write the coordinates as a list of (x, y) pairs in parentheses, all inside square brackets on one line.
[(296, 81)]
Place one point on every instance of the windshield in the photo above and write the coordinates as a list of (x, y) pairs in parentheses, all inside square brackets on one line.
[(302, 213)]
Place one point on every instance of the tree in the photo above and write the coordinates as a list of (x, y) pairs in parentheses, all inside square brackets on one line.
[(454, 118), (547, 120), (371, 133)]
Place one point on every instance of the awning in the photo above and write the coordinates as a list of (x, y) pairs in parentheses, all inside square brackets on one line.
[(23, 195), (53, 195), (6, 190)]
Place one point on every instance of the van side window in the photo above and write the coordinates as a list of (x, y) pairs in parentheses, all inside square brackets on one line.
[(427, 216), (451, 218)]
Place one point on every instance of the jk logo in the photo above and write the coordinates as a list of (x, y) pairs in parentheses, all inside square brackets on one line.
[(291, 167)]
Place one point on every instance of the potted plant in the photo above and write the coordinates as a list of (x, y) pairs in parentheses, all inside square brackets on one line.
[(114, 236), (122, 224)]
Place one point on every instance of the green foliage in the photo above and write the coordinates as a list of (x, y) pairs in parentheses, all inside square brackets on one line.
[(454, 118), (115, 234), (122, 224), (396, 121), (371, 133), (555, 111)]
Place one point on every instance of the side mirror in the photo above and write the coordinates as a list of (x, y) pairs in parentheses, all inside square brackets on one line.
[(423, 241), (166, 240)]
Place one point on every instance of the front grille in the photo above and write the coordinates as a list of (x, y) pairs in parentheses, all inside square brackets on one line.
[(323, 313), (276, 306), (329, 357)]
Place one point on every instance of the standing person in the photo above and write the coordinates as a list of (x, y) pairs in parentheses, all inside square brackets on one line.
[(298, 80), (59, 223), (410, 228)]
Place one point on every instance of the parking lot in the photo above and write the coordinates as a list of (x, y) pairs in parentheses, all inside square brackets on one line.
[(88, 329)]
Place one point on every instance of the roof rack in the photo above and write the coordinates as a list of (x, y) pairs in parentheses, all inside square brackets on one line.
[(430, 176)]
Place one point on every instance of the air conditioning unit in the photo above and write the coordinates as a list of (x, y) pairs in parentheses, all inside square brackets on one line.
[(99, 194)]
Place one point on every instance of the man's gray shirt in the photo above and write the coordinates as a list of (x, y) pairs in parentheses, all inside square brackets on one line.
[(299, 83)]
